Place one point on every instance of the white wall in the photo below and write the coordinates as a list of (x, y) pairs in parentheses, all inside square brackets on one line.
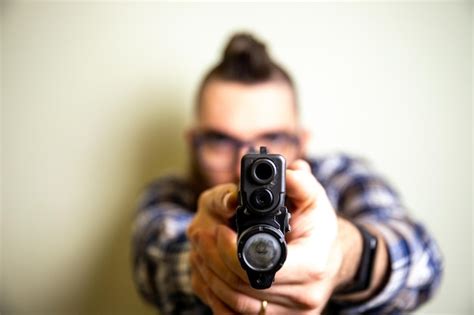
[(95, 97)]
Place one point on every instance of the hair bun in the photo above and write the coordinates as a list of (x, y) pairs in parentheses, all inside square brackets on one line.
[(246, 57), (243, 43)]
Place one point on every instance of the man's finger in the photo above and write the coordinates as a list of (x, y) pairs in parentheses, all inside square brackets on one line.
[(301, 187), (198, 285), (227, 248), (243, 303), (301, 165), (226, 243), (217, 306), (299, 266), (208, 250), (237, 301), (220, 201)]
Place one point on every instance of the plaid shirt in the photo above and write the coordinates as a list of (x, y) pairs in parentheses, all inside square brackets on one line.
[(161, 249)]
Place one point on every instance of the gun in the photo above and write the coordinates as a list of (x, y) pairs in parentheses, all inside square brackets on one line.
[(262, 218)]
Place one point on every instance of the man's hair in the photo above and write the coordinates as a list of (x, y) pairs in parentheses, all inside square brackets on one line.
[(245, 60)]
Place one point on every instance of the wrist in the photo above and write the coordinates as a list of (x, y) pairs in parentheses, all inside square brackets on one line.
[(366, 264), (351, 244)]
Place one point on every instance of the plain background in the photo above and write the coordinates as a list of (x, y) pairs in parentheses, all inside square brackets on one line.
[(96, 96)]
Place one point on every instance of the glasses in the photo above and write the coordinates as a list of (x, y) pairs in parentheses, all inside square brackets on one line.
[(218, 151)]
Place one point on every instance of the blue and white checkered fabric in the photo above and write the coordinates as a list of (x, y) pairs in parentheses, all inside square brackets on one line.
[(160, 247)]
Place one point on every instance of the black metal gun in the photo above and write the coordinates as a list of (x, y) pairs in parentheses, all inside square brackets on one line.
[(262, 218)]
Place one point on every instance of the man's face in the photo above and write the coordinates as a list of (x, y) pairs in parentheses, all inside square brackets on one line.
[(234, 117)]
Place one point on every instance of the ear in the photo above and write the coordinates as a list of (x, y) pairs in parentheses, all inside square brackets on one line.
[(189, 134)]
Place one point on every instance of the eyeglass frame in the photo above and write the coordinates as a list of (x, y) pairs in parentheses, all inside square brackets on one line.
[(198, 138)]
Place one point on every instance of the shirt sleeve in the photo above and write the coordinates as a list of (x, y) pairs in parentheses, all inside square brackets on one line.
[(160, 249), (415, 259)]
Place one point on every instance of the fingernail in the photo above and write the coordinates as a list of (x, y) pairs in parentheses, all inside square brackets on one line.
[(226, 199)]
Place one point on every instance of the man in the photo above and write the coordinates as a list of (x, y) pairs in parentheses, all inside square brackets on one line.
[(352, 249)]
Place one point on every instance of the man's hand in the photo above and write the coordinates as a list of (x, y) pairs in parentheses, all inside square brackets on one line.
[(315, 252), (215, 206)]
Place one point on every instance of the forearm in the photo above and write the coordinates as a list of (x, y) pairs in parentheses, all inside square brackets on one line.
[(413, 268), (412, 262)]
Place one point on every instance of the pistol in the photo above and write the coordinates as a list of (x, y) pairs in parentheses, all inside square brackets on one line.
[(262, 219)]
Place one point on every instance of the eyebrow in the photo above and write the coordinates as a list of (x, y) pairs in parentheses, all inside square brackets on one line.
[(264, 134), (215, 132)]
